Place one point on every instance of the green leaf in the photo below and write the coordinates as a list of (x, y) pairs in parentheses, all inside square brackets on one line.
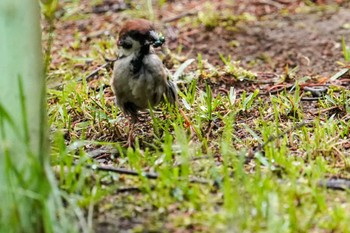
[(182, 68), (339, 74)]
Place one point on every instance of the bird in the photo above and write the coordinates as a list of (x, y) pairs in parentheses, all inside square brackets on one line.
[(139, 78)]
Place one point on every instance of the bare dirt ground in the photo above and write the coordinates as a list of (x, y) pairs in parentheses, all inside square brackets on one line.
[(309, 40)]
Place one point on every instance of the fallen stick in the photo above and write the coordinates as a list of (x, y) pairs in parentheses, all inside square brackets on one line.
[(95, 72), (177, 17), (90, 76), (149, 175), (335, 184)]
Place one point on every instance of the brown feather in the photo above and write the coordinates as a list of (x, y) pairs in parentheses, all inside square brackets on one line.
[(140, 25)]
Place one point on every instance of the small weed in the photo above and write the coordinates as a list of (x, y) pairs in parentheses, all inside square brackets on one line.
[(346, 50)]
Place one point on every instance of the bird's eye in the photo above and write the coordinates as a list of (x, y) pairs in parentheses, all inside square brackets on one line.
[(126, 44)]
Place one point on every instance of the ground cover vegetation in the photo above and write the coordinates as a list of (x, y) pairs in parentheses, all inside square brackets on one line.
[(259, 141)]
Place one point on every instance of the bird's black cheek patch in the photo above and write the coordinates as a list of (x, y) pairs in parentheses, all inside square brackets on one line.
[(126, 44)]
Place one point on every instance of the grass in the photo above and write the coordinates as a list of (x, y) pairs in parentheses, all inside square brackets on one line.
[(346, 50), (215, 135), (277, 190)]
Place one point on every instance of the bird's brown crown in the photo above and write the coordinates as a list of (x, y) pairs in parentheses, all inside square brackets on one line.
[(136, 27)]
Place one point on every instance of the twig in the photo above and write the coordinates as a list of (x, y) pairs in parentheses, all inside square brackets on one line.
[(95, 72), (177, 17), (271, 3), (132, 189), (312, 98), (346, 117), (278, 88), (189, 124), (335, 184), (90, 76), (149, 175), (95, 154), (326, 110), (317, 91), (128, 190), (283, 1), (209, 129)]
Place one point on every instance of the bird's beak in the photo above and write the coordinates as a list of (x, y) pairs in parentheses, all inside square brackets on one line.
[(155, 39), (153, 36)]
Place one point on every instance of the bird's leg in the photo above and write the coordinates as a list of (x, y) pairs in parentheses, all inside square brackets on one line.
[(131, 138)]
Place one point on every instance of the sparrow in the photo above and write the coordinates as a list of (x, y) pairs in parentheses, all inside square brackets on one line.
[(139, 79)]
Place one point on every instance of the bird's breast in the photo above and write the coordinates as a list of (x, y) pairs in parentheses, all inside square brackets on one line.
[(142, 88)]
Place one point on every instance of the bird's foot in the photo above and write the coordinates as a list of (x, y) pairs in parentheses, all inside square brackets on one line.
[(130, 142), (131, 138)]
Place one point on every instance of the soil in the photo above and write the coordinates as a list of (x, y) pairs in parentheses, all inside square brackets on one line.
[(309, 41)]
